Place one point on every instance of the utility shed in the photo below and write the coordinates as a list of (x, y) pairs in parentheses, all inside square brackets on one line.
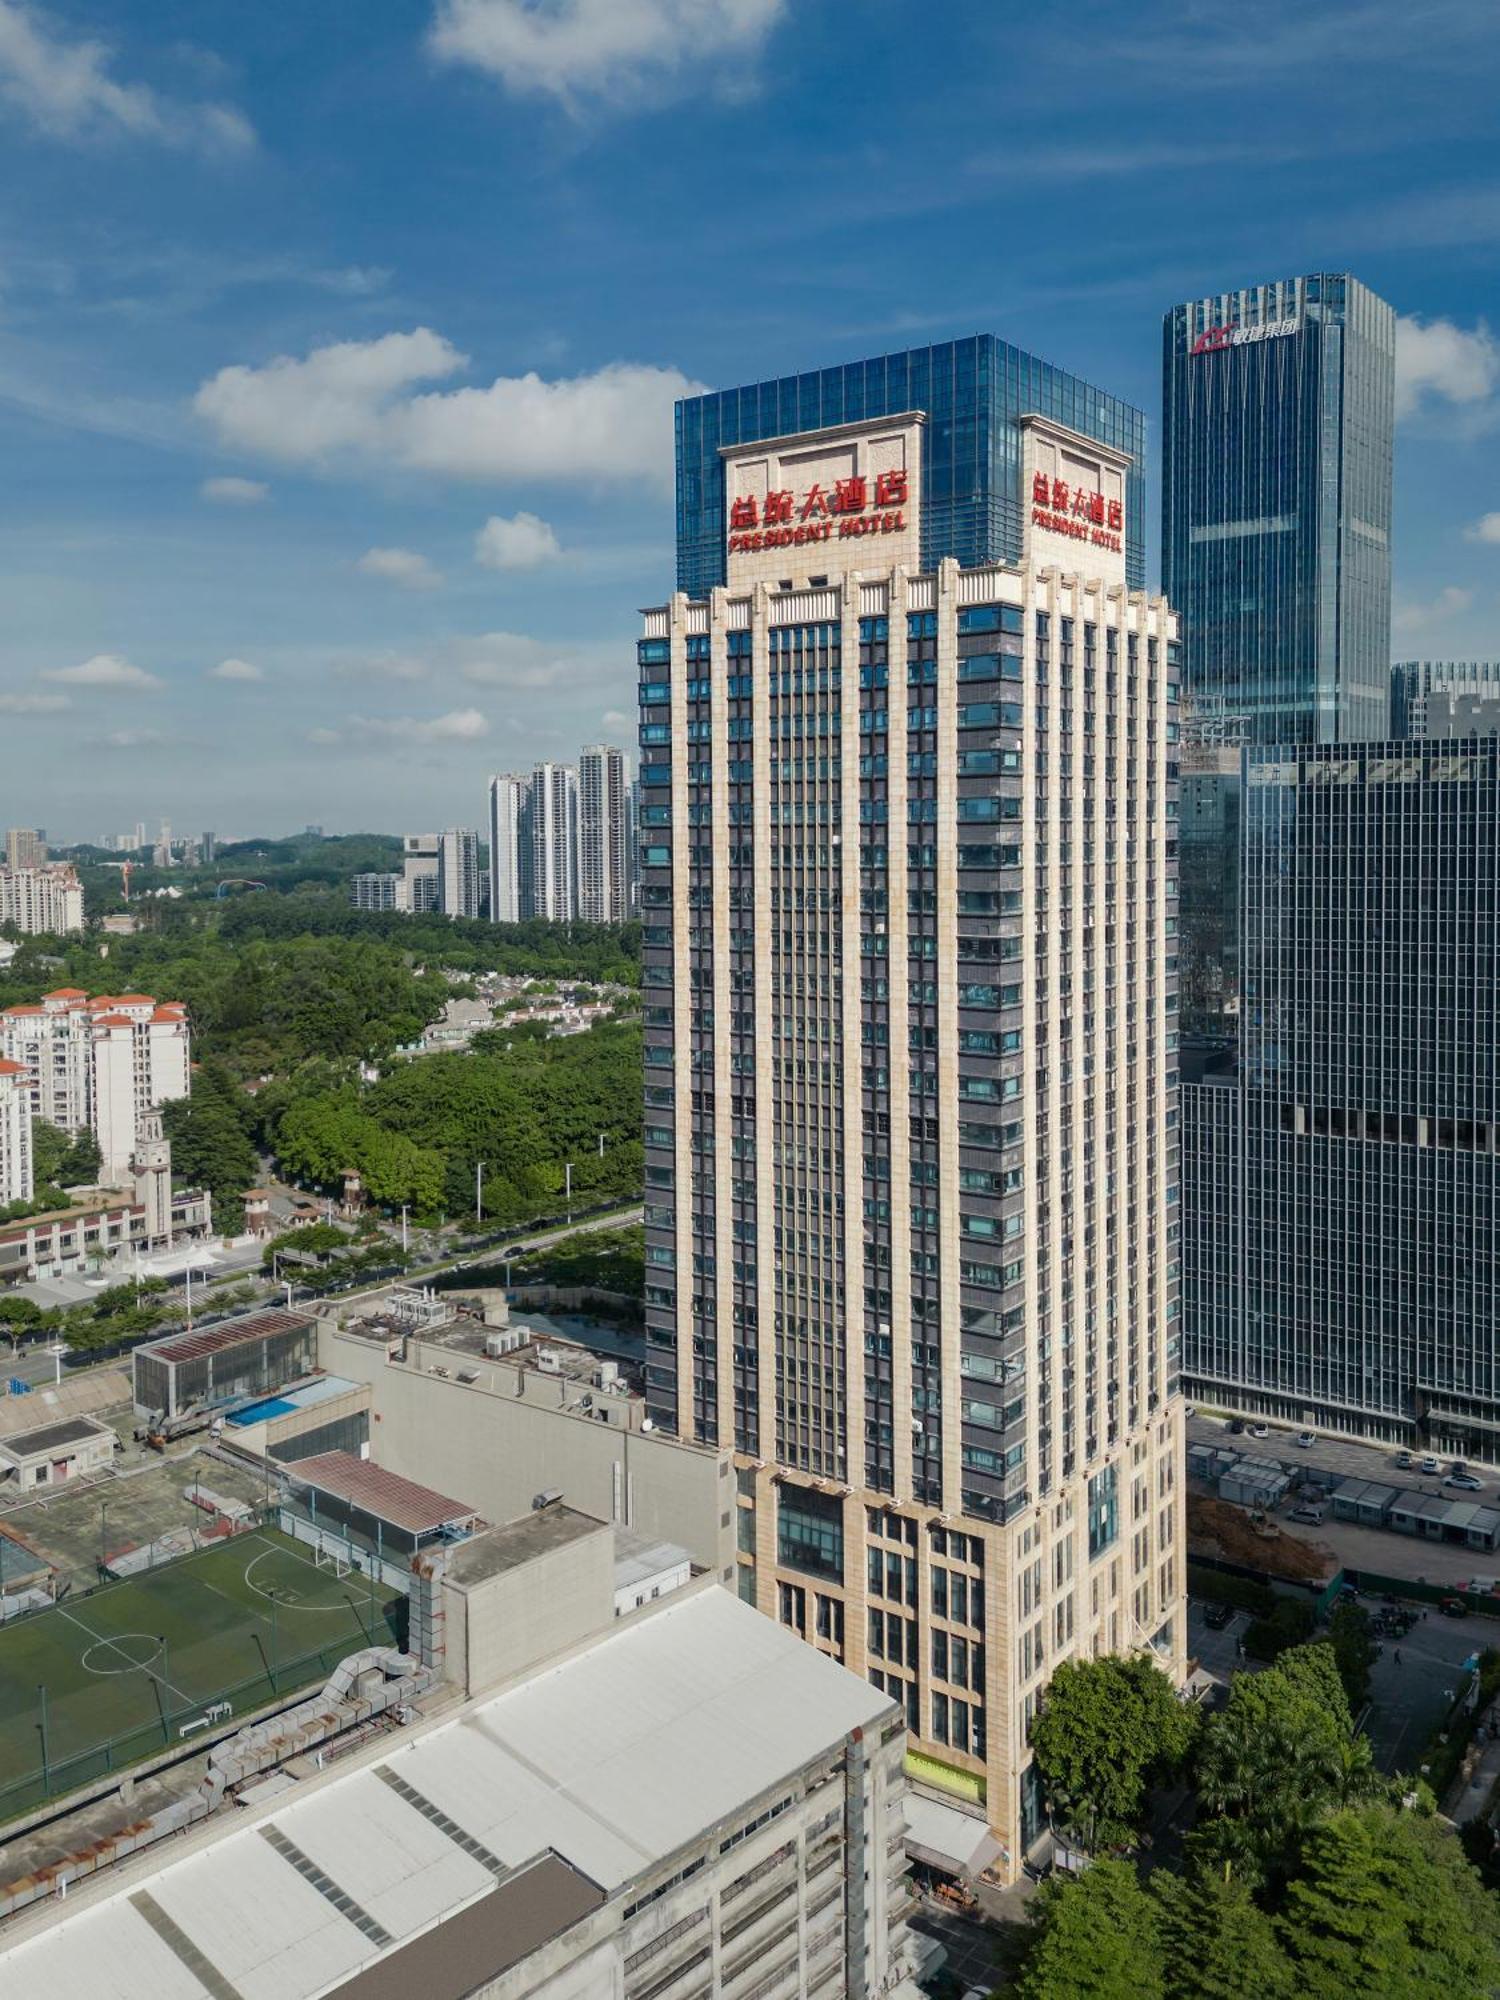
[(55, 1453)]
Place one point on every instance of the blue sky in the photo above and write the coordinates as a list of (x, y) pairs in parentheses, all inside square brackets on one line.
[(338, 341)]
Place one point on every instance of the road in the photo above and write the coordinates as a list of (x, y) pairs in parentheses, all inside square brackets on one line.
[(35, 1365)]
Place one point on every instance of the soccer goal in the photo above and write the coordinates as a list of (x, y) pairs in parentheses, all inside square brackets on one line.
[(331, 1559)]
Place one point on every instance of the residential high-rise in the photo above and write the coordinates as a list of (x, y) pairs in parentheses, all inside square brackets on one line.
[(377, 892), (1341, 1195), (100, 1065), (974, 392), (510, 847), (1444, 697), (458, 872), (208, 847), (15, 1134), (25, 847), (554, 842), (1277, 424), (603, 839), (908, 896), (46, 901), (419, 872)]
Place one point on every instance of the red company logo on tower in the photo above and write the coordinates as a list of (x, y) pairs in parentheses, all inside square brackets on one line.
[(1215, 337), (1075, 511), (853, 506)]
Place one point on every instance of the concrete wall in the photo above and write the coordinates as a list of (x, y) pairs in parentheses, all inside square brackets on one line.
[(498, 1626), (497, 1452)]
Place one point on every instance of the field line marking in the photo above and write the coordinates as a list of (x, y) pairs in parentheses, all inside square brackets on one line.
[(238, 1603), (100, 1640)]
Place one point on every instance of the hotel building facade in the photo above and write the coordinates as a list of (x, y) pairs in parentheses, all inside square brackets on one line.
[(908, 860)]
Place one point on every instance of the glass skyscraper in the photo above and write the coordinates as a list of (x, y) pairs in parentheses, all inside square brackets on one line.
[(973, 392), (1341, 1196), (1277, 421)]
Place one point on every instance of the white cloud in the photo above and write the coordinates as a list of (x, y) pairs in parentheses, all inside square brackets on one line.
[(229, 492), (34, 704), (602, 48), (401, 566), (1435, 358), (382, 667), (105, 670), (338, 399), (1415, 617), (67, 91), (360, 400), (616, 718), (131, 739), (459, 725), (1485, 529), (511, 660), (522, 542), (235, 670)]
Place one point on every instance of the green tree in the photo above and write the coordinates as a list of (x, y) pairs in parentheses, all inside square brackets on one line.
[(1273, 1761), (1105, 1728), (49, 1148), (1385, 1903), (1354, 1650), (210, 1145), (1217, 1944), (1096, 1937)]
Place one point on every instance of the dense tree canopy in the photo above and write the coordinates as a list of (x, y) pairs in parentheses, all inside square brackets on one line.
[(211, 1145), (1385, 1903), (1105, 1728), (1097, 1938), (525, 1109)]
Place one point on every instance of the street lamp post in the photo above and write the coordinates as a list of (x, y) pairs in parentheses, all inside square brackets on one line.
[(568, 1187), (478, 1192)]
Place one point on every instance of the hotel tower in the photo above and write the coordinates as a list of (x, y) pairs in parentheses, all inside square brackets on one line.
[(908, 887)]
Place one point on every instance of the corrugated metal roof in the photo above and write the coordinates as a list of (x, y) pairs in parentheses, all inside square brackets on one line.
[(613, 1759), (402, 1502), (177, 1347)]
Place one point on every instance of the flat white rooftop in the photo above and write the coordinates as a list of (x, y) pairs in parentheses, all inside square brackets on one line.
[(613, 1759)]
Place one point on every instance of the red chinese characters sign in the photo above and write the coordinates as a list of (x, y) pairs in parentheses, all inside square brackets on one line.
[(848, 508), (1075, 511)]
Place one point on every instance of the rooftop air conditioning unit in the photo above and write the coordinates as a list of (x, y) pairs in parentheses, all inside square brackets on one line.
[(548, 1497), (549, 1361)]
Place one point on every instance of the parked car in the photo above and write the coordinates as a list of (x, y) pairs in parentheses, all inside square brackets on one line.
[(1306, 1440), (1466, 1480), (1429, 1463), (1453, 1607), (1307, 1512), (1237, 1427), (1217, 1616), (1260, 1430), (1403, 1461)]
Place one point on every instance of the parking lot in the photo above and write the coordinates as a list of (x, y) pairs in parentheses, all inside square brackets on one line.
[(1409, 1697)]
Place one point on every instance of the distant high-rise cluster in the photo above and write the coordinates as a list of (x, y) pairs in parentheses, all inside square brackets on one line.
[(561, 846)]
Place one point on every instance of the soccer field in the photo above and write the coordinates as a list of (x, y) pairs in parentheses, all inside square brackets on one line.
[(130, 1669)]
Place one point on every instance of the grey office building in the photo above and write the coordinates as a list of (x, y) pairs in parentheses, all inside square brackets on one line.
[(1277, 421), (1445, 697), (1341, 1195)]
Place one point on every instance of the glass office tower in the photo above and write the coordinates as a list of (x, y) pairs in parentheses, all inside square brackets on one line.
[(973, 393), (1277, 421), (1341, 1197)]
